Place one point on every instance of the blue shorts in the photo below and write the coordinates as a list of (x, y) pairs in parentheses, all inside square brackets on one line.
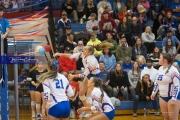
[(32, 88), (92, 75), (110, 114), (168, 98), (60, 110)]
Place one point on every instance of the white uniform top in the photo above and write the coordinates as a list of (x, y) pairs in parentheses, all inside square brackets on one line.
[(57, 90), (91, 65), (168, 83), (105, 105)]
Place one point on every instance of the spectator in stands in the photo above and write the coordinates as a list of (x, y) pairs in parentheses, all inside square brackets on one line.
[(150, 70), (70, 7), (107, 3), (138, 49), (170, 23), (148, 39), (101, 9), (94, 42), (169, 48), (90, 7), (136, 31), (105, 77), (122, 13), (110, 40), (116, 8), (127, 64), (119, 82), (79, 47), (175, 7), (107, 28), (142, 62), (123, 51), (132, 6), (158, 22), (124, 27), (157, 7), (91, 23), (108, 9), (155, 57), (22, 78), (142, 8), (175, 41), (67, 64), (134, 76), (178, 32), (80, 9), (107, 20), (63, 23), (95, 30), (70, 42), (144, 89), (109, 60)]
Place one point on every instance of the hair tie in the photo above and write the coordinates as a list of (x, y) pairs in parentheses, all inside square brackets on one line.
[(99, 78), (55, 64)]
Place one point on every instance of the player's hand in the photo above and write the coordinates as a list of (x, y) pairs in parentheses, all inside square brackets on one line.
[(44, 114), (57, 54), (80, 110), (70, 77), (152, 96), (3, 36), (147, 98), (172, 102)]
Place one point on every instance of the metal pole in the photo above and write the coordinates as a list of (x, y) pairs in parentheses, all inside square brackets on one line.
[(16, 84)]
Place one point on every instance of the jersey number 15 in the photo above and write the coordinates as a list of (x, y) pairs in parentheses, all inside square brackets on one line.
[(59, 84)]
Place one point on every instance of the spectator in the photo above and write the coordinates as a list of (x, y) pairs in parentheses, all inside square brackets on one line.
[(178, 32), (155, 57), (127, 64), (116, 7), (91, 23), (123, 51), (105, 77), (70, 7), (148, 39), (107, 20), (119, 82), (144, 89), (124, 27), (79, 48), (110, 40), (122, 13), (170, 23), (138, 49), (107, 9), (63, 23), (142, 62), (131, 5), (176, 9), (143, 7), (175, 41), (157, 7), (134, 76), (90, 7), (70, 42), (107, 28), (108, 59), (80, 9), (95, 30), (136, 31), (157, 24), (107, 4), (94, 42), (101, 9), (150, 70), (67, 64), (169, 48), (22, 78), (120, 35)]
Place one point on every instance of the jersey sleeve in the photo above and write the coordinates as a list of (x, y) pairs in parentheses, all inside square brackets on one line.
[(76, 55), (176, 84), (95, 106), (69, 90), (155, 88), (47, 90)]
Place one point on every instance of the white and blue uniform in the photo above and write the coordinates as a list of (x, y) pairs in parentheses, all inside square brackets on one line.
[(91, 65), (168, 84), (56, 92), (104, 105)]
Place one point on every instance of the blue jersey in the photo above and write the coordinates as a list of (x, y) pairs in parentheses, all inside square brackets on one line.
[(4, 23)]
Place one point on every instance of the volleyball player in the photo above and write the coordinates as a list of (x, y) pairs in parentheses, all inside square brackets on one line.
[(102, 107), (168, 84), (56, 89)]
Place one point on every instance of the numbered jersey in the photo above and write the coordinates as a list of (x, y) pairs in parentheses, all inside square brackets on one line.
[(57, 90), (104, 105), (167, 82)]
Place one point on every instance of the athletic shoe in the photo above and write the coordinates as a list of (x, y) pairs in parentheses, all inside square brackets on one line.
[(134, 115), (156, 113), (39, 116), (33, 114)]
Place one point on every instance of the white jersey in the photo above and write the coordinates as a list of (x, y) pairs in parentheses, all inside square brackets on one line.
[(105, 105), (167, 82), (91, 65), (57, 90)]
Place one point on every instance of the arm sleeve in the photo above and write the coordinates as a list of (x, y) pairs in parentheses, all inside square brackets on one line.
[(126, 80), (163, 49), (101, 58), (76, 56), (176, 84), (47, 90), (7, 24), (88, 27), (69, 90), (129, 77), (95, 106), (138, 90), (114, 62), (155, 88)]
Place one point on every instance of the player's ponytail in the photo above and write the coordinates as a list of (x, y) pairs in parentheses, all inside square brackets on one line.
[(33, 68), (169, 58), (103, 46), (98, 83), (53, 71)]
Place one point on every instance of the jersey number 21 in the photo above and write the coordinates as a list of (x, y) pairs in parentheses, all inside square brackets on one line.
[(59, 84)]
